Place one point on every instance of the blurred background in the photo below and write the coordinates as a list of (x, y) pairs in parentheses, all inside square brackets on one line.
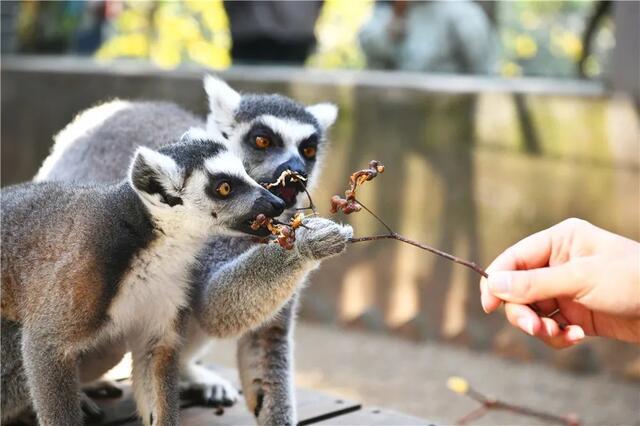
[(494, 119)]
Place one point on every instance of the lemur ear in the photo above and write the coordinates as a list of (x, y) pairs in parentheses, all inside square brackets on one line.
[(223, 102), (195, 134), (156, 177), (325, 113)]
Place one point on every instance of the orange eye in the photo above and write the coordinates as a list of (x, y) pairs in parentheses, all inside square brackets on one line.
[(224, 189), (309, 152), (262, 142)]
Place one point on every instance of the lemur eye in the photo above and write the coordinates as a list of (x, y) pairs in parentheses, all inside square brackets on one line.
[(309, 152), (262, 142), (224, 189)]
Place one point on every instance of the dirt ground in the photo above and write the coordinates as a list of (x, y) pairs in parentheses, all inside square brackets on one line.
[(411, 378)]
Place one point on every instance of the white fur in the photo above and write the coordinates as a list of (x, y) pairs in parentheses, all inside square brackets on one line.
[(325, 113), (223, 102), (228, 163), (155, 287), (82, 125), (195, 133), (292, 131), (167, 171), (150, 297)]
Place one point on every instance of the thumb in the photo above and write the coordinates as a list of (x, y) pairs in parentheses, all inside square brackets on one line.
[(537, 284)]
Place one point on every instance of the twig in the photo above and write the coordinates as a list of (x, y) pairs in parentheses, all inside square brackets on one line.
[(459, 385), (396, 236), (312, 206), (376, 216)]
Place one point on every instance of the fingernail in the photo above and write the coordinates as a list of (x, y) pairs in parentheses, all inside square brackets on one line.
[(499, 282), (575, 334), (483, 303), (526, 325)]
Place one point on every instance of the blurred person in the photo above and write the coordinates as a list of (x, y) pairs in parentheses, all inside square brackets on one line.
[(430, 36), (573, 273), (272, 31)]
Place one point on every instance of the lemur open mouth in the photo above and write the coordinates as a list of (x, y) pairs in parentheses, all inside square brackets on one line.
[(245, 227), (287, 192)]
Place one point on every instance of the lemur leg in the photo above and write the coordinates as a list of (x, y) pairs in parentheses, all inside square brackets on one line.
[(16, 401), (265, 360), (52, 378), (198, 383), (14, 391), (155, 381)]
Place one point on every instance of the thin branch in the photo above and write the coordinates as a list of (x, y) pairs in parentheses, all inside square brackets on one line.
[(312, 206), (396, 236), (494, 404), (472, 415), (376, 216)]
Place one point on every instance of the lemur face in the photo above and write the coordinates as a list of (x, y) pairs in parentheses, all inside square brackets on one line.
[(202, 184), (271, 133)]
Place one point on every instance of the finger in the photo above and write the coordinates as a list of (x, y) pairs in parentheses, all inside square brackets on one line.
[(488, 301), (523, 317), (531, 252), (538, 284), (561, 339), (546, 329), (544, 307)]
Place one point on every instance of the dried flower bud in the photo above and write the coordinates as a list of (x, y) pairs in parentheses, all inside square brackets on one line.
[(337, 203), (286, 231), (351, 207), (458, 385)]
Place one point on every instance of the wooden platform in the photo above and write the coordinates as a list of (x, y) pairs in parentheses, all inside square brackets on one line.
[(313, 408)]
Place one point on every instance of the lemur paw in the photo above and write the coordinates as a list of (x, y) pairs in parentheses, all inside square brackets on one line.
[(204, 387), (322, 238)]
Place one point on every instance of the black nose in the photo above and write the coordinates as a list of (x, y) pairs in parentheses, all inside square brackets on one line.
[(277, 206), (295, 164), (269, 205)]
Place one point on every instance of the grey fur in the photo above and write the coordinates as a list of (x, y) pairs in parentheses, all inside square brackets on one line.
[(79, 265), (231, 268), (253, 106)]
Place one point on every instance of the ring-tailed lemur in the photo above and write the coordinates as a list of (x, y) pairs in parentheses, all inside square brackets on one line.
[(84, 264), (242, 288)]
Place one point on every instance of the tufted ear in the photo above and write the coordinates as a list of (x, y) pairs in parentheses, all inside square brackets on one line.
[(156, 177), (223, 102), (325, 113)]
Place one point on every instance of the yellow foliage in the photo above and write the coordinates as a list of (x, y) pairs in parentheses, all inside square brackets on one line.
[(592, 66), (166, 55), (525, 46), (510, 69), (337, 34), (126, 45), (171, 32), (132, 20), (568, 43)]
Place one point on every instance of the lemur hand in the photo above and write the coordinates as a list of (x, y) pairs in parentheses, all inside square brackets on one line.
[(322, 238)]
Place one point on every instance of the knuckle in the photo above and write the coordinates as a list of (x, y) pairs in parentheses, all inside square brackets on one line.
[(574, 223), (523, 284)]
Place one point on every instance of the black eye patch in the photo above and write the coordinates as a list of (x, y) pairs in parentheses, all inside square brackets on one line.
[(264, 131), (238, 186), (310, 142)]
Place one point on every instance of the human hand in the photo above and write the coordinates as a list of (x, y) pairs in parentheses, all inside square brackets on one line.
[(322, 238), (590, 275)]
